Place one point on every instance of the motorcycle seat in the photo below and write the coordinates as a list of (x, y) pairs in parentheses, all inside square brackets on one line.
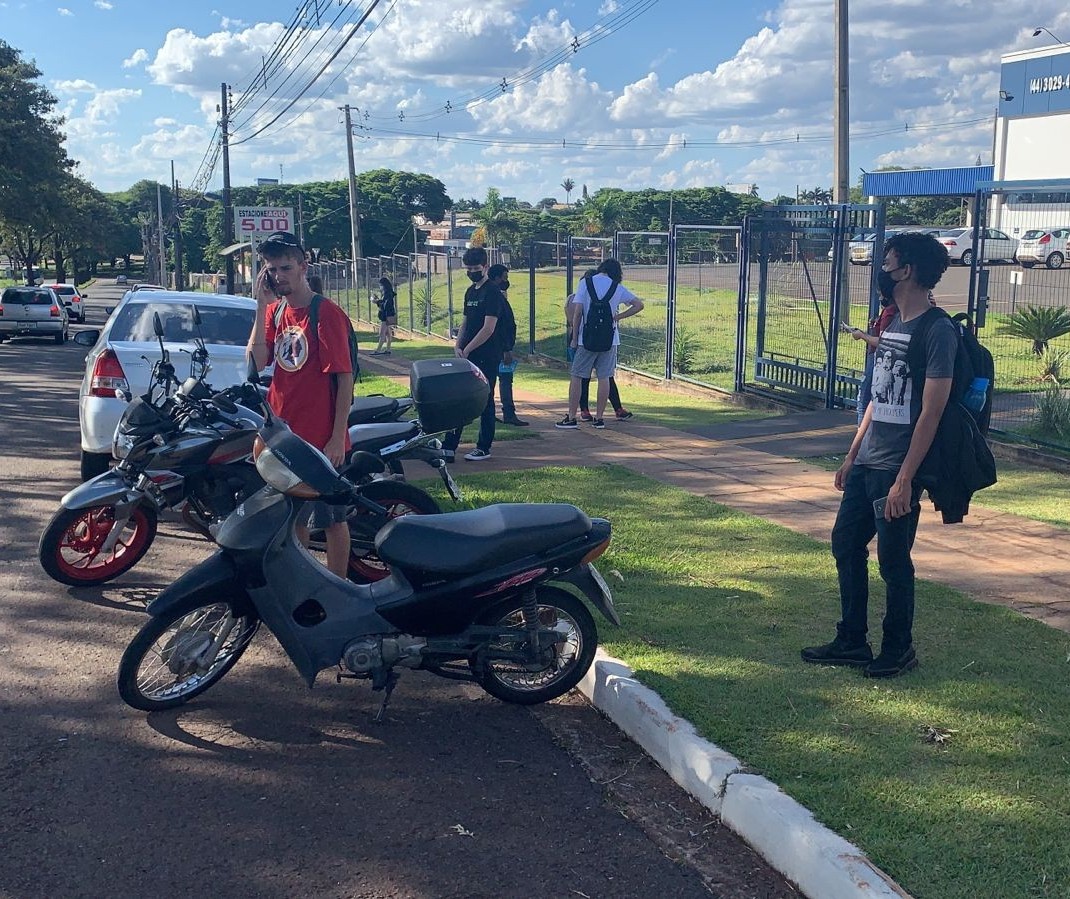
[(369, 408), (457, 543), (373, 437)]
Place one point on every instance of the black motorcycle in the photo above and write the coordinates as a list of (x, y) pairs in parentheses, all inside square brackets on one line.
[(472, 595)]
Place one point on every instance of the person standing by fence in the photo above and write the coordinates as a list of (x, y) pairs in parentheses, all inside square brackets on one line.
[(498, 275), (388, 317)]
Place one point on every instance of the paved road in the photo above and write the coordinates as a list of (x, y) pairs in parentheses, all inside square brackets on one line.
[(262, 788)]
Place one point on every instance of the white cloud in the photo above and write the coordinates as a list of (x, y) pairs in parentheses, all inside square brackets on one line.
[(103, 4), (104, 107), (76, 86), (139, 56), (63, 11)]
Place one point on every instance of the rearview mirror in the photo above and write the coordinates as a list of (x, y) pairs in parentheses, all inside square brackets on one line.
[(196, 315), (88, 337), (252, 373)]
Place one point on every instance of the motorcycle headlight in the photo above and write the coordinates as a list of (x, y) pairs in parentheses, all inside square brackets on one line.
[(277, 473), (121, 445)]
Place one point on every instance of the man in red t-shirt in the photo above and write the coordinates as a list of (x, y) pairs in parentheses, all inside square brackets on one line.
[(312, 387)]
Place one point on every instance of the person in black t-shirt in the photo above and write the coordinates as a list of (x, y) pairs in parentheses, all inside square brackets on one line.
[(476, 341), (498, 275), (388, 317)]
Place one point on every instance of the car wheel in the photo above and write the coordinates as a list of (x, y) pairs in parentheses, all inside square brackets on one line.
[(1055, 260), (1027, 264), (92, 464), (967, 257)]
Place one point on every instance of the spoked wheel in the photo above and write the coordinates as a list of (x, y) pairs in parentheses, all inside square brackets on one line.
[(398, 498), (560, 665), (71, 549), (177, 656)]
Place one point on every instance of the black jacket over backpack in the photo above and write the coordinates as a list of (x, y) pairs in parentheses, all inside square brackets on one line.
[(959, 461)]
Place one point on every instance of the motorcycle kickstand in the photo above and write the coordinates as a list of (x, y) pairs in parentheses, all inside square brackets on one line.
[(392, 679)]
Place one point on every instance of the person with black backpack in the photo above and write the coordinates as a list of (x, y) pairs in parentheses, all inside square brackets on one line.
[(595, 338), (311, 342), (878, 478), (505, 334)]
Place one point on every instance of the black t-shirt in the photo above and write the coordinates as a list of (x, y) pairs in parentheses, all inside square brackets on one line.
[(480, 302)]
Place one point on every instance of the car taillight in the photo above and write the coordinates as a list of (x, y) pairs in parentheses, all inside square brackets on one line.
[(948, 242), (108, 376), (54, 312), (1046, 238)]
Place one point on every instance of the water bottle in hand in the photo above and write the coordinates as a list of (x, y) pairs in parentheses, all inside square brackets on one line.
[(976, 395)]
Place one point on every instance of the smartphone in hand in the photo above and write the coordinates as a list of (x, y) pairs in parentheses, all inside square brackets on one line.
[(847, 329), (878, 506), (272, 284)]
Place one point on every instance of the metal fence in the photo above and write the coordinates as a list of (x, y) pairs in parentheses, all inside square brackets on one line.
[(1019, 296)]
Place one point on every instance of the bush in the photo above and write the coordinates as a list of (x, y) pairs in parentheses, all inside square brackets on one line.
[(1040, 324), (1053, 365), (1052, 413)]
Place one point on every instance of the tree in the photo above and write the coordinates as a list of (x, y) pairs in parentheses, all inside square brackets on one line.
[(546, 203), (568, 185), (33, 163)]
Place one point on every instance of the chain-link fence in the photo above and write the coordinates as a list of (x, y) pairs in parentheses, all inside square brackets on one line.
[(643, 339)]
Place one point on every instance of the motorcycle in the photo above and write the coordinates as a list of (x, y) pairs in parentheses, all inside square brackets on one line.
[(376, 408), (183, 445), (475, 595)]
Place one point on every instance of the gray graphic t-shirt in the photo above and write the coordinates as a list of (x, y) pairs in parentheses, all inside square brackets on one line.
[(896, 402)]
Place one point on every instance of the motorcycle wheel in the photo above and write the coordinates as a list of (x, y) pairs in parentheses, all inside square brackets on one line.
[(70, 547), (164, 665), (398, 498), (565, 663)]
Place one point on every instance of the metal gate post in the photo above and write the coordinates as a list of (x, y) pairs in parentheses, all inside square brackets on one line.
[(839, 281), (531, 298), (569, 265), (974, 297), (742, 305), (670, 310), (763, 287)]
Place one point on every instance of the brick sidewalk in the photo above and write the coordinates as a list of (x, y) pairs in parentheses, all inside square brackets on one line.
[(993, 556)]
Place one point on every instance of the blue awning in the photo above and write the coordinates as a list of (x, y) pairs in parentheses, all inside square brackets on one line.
[(957, 182)]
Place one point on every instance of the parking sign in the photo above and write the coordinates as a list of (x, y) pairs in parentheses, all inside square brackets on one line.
[(262, 221)]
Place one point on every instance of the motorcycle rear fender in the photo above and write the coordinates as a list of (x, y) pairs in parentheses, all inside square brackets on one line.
[(581, 577), (213, 580), (107, 489)]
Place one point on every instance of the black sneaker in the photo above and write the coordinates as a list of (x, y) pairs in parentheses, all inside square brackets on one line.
[(892, 663), (599, 423), (624, 415), (839, 652), (477, 455), (567, 422), (515, 422)]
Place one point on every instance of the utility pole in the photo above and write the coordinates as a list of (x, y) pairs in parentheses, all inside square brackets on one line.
[(841, 191), (176, 208), (354, 213), (300, 219), (159, 224), (228, 210)]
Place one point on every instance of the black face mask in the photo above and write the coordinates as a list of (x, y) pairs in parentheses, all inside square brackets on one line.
[(886, 285), (504, 285), (475, 277)]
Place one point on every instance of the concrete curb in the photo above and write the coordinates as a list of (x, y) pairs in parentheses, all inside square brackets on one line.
[(821, 863)]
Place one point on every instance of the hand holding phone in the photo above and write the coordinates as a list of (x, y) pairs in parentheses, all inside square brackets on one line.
[(848, 329), (879, 506), (272, 284)]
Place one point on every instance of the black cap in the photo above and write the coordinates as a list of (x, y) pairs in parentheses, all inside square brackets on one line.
[(281, 239)]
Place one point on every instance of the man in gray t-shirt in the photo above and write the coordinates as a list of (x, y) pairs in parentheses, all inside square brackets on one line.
[(879, 496)]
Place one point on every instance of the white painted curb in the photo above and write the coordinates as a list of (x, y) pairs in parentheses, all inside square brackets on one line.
[(821, 863)]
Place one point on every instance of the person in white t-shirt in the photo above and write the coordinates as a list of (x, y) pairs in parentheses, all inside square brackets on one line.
[(608, 277)]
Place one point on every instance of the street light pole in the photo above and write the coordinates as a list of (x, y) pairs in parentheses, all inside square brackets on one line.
[(228, 210), (841, 192)]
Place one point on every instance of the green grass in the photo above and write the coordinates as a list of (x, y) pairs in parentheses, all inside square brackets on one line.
[(716, 605), (653, 404), (1037, 493)]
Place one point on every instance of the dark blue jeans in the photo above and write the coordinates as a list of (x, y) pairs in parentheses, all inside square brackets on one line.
[(486, 419), (505, 388), (856, 523)]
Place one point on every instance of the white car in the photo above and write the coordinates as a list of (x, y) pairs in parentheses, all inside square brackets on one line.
[(31, 311), (1045, 246), (72, 299), (995, 245), (123, 352)]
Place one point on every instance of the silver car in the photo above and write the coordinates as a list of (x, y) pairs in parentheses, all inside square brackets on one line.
[(31, 311), (123, 352)]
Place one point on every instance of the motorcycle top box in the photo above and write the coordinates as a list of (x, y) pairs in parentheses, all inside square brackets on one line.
[(447, 393)]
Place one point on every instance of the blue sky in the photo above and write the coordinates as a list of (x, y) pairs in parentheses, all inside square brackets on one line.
[(687, 93)]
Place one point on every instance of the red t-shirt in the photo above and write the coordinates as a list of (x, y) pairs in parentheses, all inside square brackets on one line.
[(302, 391)]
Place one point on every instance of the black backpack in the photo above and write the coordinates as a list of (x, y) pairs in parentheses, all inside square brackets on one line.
[(598, 325), (972, 360), (313, 326)]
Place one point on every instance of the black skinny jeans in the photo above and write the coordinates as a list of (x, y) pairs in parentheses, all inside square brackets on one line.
[(856, 523), (585, 395)]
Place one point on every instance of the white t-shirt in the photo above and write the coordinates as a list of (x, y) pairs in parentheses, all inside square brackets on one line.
[(601, 285)]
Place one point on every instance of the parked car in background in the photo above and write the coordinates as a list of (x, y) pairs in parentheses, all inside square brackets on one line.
[(72, 299), (123, 352), (1044, 246), (995, 245), (32, 311), (146, 286), (860, 248), (121, 279)]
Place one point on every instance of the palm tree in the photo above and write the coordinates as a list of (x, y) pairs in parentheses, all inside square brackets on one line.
[(568, 185), (1039, 324)]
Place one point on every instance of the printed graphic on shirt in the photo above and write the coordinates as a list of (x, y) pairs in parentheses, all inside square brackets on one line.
[(892, 385), (291, 348)]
